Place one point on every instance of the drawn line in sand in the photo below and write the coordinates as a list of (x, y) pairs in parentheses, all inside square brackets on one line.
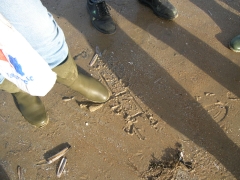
[(232, 97), (140, 108), (131, 129), (121, 93), (218, 111), (139, 135), (103, 79)]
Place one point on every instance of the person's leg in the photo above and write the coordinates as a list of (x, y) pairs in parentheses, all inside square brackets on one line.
[(37, 25), (39, 28), (234, 44), (100, 16), (31, 107), (162, 8)]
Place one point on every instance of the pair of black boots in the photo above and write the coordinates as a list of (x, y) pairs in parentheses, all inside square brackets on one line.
[(103, 22)]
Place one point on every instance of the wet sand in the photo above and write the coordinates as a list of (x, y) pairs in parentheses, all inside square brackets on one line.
[(175, 88)]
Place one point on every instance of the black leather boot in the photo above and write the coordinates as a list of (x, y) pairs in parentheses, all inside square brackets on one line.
[(162, 8), (100, 17)]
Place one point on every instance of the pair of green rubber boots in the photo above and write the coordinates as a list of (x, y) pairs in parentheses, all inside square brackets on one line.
[(32, 107), (234, 44)]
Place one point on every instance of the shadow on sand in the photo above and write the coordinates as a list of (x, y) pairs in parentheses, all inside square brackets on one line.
[(188, 117)]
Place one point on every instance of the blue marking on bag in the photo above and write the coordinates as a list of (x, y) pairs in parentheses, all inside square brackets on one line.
[(26, 80), (16, 65)]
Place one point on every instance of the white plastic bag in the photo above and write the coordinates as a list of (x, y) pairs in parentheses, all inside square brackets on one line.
[(21, 64)]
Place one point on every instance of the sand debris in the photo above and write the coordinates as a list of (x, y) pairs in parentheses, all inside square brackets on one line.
[(68, 98), (95, 108), (165, 169), (232, 97), (129, 128), (55, 157), (138, 134), (61, 166), (209, 94), (198, 98), (58, 155), (90, 106), (19, 172), (94, 59)]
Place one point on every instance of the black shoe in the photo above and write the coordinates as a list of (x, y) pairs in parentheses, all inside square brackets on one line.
[(100, 17), (162, 8)]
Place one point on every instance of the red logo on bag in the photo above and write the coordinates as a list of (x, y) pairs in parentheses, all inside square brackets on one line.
[(2, 56), (12, 62)]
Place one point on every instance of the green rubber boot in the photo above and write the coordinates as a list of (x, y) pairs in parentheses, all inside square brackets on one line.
[(88, 86), (234, 44), (31, 108)]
